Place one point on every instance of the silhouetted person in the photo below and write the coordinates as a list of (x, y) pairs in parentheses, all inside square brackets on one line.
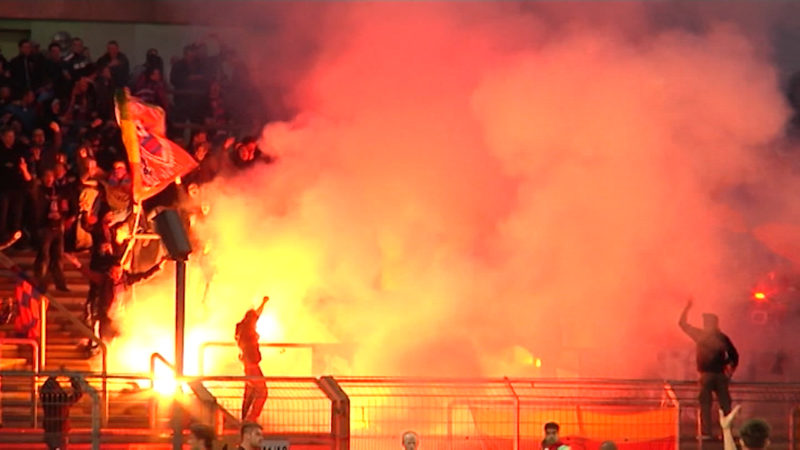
[(717, 359), (52, 211), (104, 289), (551, 440), (255, 391), (56, 403)]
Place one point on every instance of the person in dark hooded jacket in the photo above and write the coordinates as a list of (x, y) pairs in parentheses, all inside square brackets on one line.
[(56, 402)]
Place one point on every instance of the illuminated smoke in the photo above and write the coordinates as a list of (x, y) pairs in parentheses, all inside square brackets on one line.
[(469, 190)]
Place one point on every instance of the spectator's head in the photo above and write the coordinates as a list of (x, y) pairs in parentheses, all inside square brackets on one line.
[(112, 48), (54, 51), (55, 107), (25, 47), (37, 137), (28, 97), (551, 433), (189, 53), (120, 170), (5, 93), (410, 440), (199, 137), (710, 322), (251, 435), (104, 71), (77, 46), (201, 437), (48, 178), (115, 271), (755, 434), (608, 445), (60, 170), (250, 317), (8, 136), (153, 73)]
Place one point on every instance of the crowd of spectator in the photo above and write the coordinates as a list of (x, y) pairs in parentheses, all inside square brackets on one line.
[(65, 182)]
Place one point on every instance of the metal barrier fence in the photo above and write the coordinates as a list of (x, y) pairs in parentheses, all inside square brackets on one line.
[(373, 413), (509, 413)]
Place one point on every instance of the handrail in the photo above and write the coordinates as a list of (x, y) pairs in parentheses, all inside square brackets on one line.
[(158, 357), (35, 362), (86, 332), (43, 330), (153, 413), (516, 413), (95, 408), (205, 345)]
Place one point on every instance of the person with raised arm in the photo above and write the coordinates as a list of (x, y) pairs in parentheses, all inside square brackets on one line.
[(717, 359), (255, 391)]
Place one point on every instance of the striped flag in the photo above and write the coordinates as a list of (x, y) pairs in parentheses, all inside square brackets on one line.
[(155, 160), (28, 300)]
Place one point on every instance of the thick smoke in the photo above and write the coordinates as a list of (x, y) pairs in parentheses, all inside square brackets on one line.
[(467, 188)]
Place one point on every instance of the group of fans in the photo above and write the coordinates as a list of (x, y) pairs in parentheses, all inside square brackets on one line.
[(65, 181)]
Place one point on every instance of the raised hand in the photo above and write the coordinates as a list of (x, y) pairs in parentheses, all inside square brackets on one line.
[(725, 422)]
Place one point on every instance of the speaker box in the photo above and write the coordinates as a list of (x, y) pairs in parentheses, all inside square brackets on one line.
[(170, 227)]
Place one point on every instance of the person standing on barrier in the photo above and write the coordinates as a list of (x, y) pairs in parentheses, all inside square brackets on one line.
[(255, 390), (717, 359), (410, 440), (551, 440), (56, 403)]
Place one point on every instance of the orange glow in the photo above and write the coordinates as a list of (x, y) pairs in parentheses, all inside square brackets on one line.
[(432, 219), (760, 297)]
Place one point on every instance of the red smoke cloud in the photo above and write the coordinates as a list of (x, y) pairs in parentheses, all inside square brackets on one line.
[(470, 187)]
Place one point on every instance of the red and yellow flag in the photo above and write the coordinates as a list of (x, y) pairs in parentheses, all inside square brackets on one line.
[(155, 160)]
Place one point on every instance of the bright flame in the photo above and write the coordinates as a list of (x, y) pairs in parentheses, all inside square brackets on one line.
[(760, 297), (164, 382)]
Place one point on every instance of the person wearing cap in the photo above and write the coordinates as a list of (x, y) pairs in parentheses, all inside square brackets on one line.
[(255, 390), (717, 359)]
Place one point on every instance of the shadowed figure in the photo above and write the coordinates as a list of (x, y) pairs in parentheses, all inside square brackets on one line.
[(255, 391), (717, 359), (56, 402)]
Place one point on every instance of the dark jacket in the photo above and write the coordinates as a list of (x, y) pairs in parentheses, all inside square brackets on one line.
[(715, 350), (11, 177), (103, 290), (52, 208), (56, 403)]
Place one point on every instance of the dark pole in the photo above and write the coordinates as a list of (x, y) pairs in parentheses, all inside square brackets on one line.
[(180, 298)]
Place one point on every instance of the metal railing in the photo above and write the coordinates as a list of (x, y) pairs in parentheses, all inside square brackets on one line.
[(34, 362), (227, 344), (86, 332), (154, 358)]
